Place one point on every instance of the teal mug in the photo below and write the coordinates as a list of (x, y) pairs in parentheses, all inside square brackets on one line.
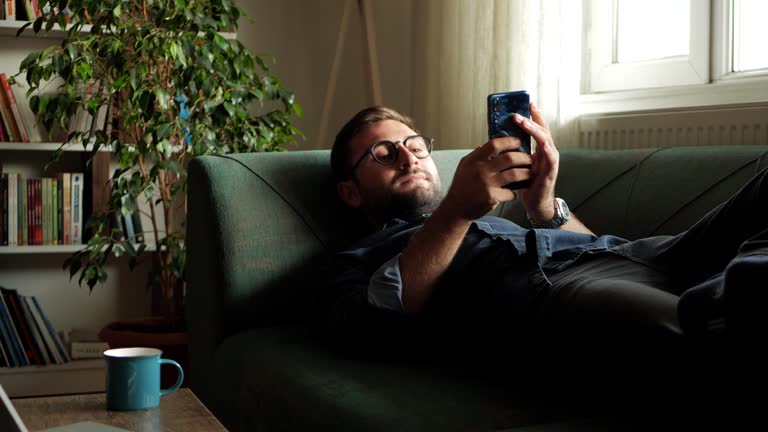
[(133, 378)]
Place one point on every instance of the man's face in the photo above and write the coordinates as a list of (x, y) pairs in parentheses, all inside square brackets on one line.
[(407, 188)]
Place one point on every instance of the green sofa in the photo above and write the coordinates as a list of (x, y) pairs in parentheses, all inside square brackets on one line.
[(255, 222)]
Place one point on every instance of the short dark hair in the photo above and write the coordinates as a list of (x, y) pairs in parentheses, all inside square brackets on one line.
[(366, 117)]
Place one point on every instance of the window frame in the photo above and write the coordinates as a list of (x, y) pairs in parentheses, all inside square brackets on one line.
[(723, 87), (679, 70)]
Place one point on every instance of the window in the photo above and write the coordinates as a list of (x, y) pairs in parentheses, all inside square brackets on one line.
[(750, 34), (636, 37), (645, 44), (648, 43)]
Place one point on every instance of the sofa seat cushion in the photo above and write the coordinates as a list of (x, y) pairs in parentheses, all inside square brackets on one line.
[(285, 381)]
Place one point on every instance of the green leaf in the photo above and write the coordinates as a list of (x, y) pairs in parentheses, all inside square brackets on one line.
[(162, 98), (72, 51), (230, 108), (117, 11), (61, 19), (74, 267), (21, 29), (58, 63), (164, 131)]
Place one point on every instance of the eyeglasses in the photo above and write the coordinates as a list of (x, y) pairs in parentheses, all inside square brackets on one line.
[(387, 152)]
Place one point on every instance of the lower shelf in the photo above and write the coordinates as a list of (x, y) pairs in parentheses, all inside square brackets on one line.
[(77, 376)]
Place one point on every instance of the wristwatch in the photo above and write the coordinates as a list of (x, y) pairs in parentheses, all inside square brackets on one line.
[(562, 216)]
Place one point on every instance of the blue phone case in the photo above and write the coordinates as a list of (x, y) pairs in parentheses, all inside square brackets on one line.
[(501, 109)]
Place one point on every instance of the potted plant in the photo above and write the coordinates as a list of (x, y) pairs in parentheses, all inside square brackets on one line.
[(173, 87)]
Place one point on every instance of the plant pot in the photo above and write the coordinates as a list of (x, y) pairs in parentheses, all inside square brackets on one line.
[(152, 332)]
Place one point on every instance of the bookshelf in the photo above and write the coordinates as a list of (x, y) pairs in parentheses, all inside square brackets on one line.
[(77, 376), (37, 270)]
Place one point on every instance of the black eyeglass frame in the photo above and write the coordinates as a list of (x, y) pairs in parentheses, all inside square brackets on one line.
[(393, 146)]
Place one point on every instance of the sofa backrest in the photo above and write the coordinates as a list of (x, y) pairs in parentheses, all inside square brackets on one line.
[(255, 220)]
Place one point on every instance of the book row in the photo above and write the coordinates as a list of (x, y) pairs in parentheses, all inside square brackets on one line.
[(26, 334), (41, 211), (23, 10)]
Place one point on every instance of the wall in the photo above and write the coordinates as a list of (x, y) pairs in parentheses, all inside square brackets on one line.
[(302, 36)]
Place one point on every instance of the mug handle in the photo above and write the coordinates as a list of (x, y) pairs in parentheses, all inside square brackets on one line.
[(178, 382)]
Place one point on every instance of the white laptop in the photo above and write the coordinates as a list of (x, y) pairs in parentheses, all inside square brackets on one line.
[(10, 421)]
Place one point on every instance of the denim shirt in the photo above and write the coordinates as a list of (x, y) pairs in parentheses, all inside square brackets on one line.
[(376, 258)]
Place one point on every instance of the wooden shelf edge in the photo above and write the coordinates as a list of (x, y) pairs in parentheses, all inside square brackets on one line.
[(10, 27), (48, 146), (77, 376), (50, 249), (73, 365)]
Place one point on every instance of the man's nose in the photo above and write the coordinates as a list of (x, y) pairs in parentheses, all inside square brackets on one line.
[(406, 157)]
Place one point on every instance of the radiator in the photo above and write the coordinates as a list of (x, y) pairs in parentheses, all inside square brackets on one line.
[(723, 126)]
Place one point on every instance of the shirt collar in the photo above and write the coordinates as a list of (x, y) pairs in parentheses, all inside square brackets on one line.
[(397, 221)]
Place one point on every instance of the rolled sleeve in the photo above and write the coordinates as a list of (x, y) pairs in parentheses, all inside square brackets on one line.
[(385, 289)]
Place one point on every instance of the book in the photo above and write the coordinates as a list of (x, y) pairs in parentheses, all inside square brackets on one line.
[(67, 194), (13, 302), (49, 327), (48, 338), (60, 208), (10, 10), (4, 208), (77, 208), (83, 350), (6, 338), (8, 120), (21, 357), (46, 205), (37, 332), (16, 113), (54, 211), (12, 203), (38, 212), (30, 212), (35, 130), (4, 362), (21, 183), (37, 342)]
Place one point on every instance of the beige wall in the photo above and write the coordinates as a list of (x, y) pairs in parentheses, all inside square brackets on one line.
[(302, 36)]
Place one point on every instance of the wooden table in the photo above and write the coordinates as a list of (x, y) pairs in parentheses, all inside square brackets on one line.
[(180, 411)]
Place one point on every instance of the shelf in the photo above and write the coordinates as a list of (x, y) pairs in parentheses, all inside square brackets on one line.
[(49, 249), (9, 28), (77, 376), (49, 146)]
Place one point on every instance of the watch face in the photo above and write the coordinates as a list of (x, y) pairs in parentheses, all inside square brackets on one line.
[(564, 210)]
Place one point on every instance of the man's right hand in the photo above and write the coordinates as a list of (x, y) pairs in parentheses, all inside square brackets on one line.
[(477, 186)]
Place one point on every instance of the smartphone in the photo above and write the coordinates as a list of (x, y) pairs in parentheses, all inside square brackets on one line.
[(501, 110)]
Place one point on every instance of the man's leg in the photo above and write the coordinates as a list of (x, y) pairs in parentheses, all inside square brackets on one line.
[(745, 290), (711, 243), (607, 300)]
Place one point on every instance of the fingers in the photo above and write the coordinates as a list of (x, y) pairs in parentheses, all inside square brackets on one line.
[(538, 117), (538, 132), (512, 175)]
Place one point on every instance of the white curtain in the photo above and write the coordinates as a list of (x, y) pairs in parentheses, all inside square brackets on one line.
[(465, 49)]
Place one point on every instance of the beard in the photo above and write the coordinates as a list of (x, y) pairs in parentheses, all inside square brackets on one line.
[(409, 205)]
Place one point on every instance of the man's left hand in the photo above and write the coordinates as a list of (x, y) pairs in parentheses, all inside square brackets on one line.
[(539, 198)]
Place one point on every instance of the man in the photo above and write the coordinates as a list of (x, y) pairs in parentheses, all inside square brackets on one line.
[(442, 267)]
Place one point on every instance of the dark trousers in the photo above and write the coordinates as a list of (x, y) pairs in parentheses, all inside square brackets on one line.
[(670, 286)]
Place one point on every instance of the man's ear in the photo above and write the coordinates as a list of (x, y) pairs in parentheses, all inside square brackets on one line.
[(349, 193)]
